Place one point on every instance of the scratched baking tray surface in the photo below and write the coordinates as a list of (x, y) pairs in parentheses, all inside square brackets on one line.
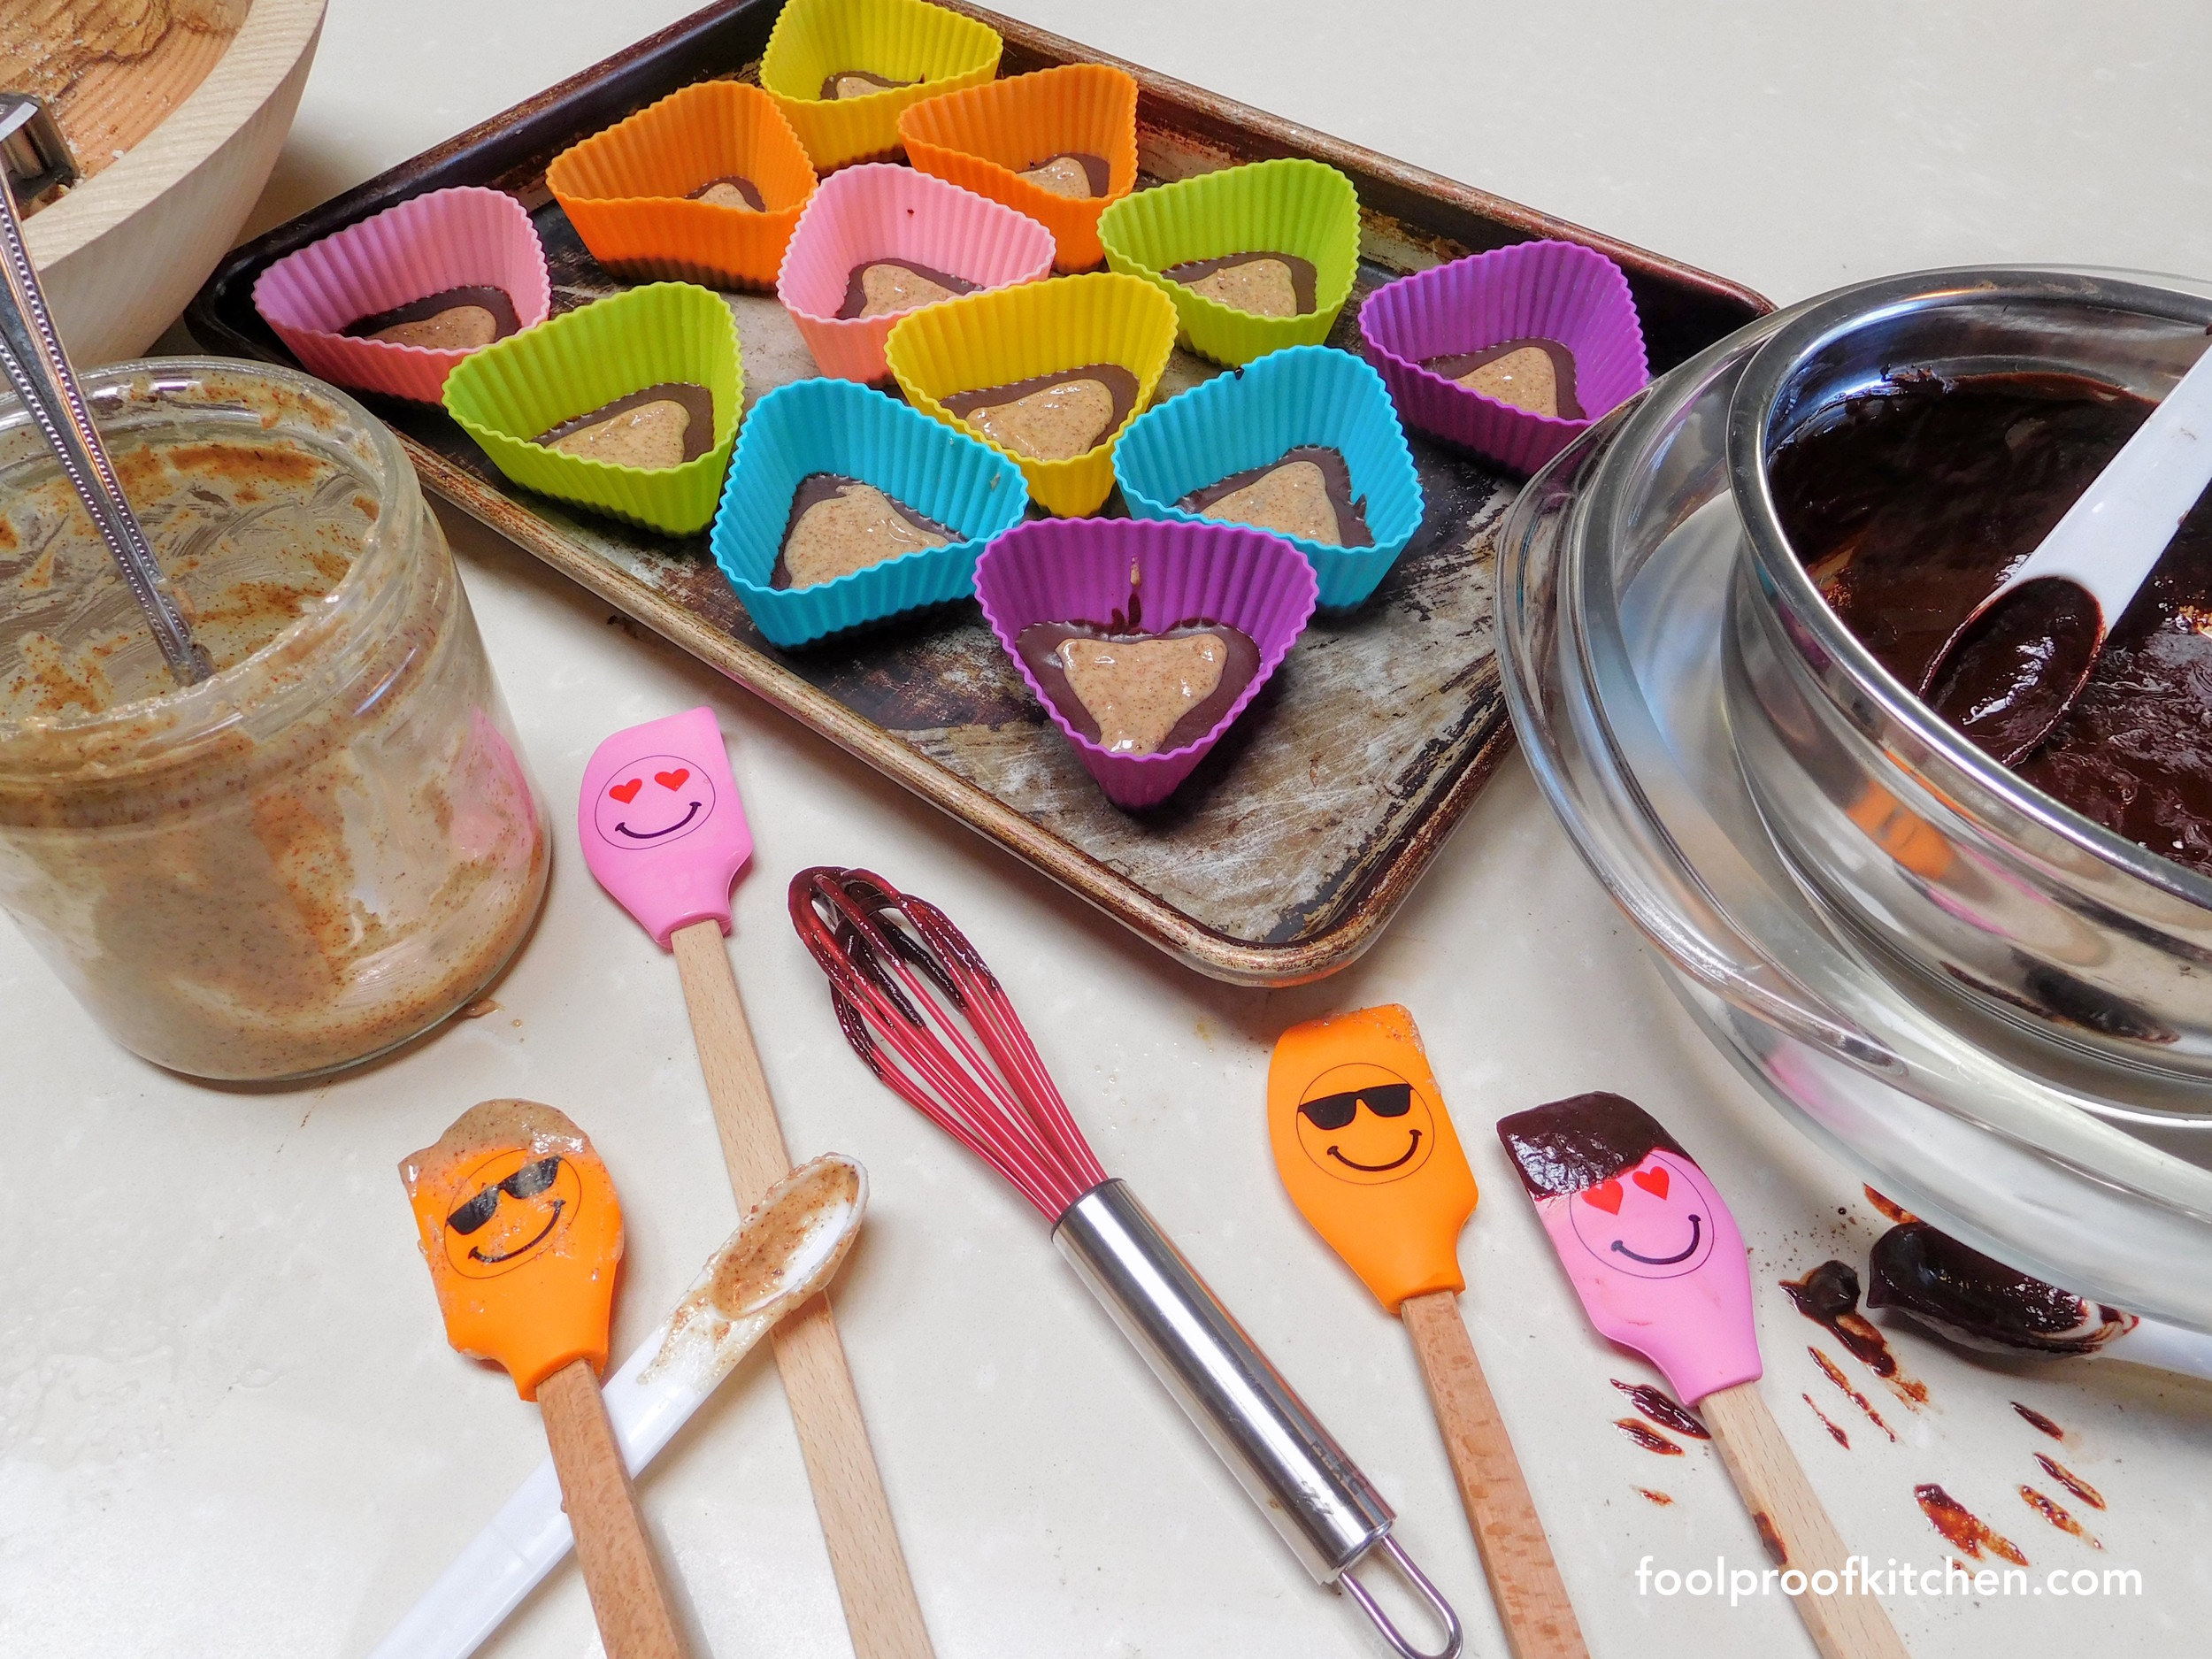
[(1284, 855)]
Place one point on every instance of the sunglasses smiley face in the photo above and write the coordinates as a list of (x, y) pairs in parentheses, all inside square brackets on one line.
[(1365, 1124), (652, 801), (519, 1207)]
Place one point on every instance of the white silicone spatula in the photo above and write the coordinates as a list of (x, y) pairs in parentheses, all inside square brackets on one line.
[(2016, 665)]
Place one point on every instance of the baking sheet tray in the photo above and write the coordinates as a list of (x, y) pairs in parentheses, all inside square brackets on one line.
[(1286, 854)]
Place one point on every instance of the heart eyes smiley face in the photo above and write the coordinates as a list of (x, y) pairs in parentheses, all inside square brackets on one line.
[(1653, 1221), (1365, 1124), (517, 1208), (652, 801)]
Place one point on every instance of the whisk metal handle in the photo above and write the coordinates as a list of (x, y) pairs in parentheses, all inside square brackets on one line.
[(1314, 1494), (38, 369)]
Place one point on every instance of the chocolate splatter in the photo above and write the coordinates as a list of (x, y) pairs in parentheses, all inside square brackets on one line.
[(1895, 1211), (1834, 1373), (1662, 1409), (1656, 1497), (2039, 1421), (1776, 1550), (1828, 1296), (2056, 1516), (1978, 1302), (1570, 1144), (1646, 1438), (1834, 1433), (2071, 1481), (1965, 1529)]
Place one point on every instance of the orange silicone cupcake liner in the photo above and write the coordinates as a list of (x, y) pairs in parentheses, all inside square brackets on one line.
[(626, 189), (984, 138)]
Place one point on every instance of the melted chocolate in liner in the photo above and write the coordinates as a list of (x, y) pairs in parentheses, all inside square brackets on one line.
[(1647, 1438), (857, 286), (2071, 1481), (1040, 642), (2015, 667), (1095, 170), (875, 82), (743, 186), (1662, 1409), (1562, 368), (1120, 384), (697, 402), (1909, 504), (1571, 1144), (1304, 279), (496, 301), (1966, 1531), (817, 487), (1980, 1301), (1351, 514), (2035, 1420)]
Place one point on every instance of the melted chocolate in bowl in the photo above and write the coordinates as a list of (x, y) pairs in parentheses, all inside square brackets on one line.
[(1910, 505), (333, 842)]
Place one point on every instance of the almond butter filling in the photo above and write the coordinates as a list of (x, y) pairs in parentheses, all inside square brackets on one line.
[(1138, 689)]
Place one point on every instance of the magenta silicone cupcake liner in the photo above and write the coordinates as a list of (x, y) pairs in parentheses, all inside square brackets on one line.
[(880, 211), (1549, 290), (1140, 574), (463, 237)]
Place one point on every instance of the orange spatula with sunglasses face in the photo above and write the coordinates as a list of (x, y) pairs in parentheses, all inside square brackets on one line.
[(1368, 1153), (522, 1230)]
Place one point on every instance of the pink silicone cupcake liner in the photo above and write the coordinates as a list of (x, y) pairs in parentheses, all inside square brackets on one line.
[(465, 237), (1551, 290), (881, 212), (1146, 573)]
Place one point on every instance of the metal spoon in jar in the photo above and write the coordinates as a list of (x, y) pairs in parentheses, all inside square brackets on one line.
[(38, 369), (2014, 666)]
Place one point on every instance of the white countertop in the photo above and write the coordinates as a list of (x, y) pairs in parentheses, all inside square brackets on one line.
[(229, 1423)]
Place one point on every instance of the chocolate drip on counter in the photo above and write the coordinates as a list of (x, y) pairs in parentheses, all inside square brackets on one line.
[(1980, 1301), (1909, 504), (1834, 1433), (1659, 1498), (1570, 1144), (495, 301), (2038, 1421), (2015, 666), (1649, 1440), (1828, 1296), (1895, 1211), (1662, 1409), (1834, 1372), (1336, 478), (2071, 1481), (1967, 1532), (2056, 1515)]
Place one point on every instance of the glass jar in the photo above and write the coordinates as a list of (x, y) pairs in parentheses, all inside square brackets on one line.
[(333, 842)]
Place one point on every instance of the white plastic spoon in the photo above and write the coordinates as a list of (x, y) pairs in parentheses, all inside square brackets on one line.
[(788, 1248), (2013, 667)]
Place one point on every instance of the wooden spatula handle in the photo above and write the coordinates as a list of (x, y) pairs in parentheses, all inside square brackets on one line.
[(1524, 1582), (627, 1596), (882, 1613), (1795, 1525)]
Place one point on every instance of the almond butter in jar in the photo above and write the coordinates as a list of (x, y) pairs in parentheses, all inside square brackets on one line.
[(329, 846)]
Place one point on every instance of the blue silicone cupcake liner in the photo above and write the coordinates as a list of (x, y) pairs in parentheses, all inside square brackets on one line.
[(828, 425), (1247, 418)]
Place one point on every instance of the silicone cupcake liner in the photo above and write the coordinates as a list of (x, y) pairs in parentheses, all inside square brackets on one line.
[(507, 393), (900, 40), (818, 426), (983, 138), (1550, 290), (1285, 206), (878, 212), (1011, 335), (465, 237), (1246, 419), (1159, 574), (625, 189)]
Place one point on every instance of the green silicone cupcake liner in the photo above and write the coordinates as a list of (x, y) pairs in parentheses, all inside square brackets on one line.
[(534, 380), (1287, 206)]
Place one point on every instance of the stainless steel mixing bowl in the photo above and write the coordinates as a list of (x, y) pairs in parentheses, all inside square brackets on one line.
[(1973, 881)]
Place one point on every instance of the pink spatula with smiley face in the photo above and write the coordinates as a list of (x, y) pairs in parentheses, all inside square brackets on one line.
[(1656, 1258), (664, 831)]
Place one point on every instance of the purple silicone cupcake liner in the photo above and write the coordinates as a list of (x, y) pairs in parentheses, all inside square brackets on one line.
[(1154, 574), (1549, 290)]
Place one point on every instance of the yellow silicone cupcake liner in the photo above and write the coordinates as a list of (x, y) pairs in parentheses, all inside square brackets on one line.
[(984, 138), (507, 393), (899, 40), (1285, 206), (1009, 334), (625, 189)]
